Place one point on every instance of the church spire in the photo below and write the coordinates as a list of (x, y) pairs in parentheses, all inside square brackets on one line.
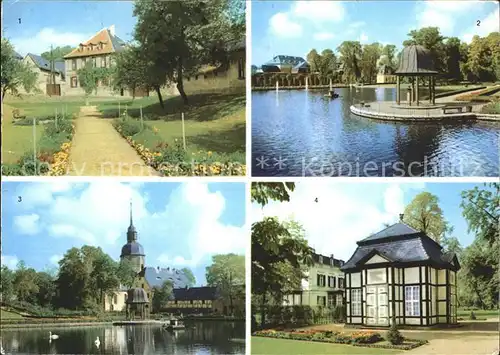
[(131, 232)]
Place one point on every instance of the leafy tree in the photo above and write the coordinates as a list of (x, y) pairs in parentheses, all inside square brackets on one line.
[(389, 56), (479, 61), (368, 64), (350, 52), (227, 273), (57, 54), (190, 276), (126, 273), (90, 76), (46, 289), (279, 252), (432, 40), (481, 209), (452, 244), (25, 284), (314, 60), (453, 57), (161, 295), (177, 37), (262, 192), (103, 276), (14, 72), (424, 214), (6, 284)]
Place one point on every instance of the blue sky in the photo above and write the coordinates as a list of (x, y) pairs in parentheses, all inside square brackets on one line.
[(348, 212), (294, 28), (179, 225), (63, 22)]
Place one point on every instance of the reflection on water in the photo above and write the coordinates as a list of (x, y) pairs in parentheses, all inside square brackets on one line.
[(297, 133), (197, 338)]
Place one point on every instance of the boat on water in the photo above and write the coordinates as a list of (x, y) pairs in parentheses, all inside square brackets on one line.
[(332, 94), (173, 324)]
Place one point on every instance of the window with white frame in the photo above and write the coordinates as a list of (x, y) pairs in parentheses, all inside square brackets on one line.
[(412, 300), (356, 302)]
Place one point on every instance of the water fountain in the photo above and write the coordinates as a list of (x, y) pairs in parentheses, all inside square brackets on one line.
[(307, 83), (277, 86), (331, 85)]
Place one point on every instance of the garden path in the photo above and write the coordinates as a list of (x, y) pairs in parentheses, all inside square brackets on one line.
[(457, 344), (99, 150)]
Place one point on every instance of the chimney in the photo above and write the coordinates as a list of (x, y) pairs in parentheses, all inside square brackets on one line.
[(401, 217), (332, 260), (111, 30)]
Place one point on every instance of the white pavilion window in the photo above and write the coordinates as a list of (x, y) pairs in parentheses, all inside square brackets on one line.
[(412, 300), (356, 302)]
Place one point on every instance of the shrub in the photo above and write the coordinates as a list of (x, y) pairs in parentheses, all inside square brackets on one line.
[(393, 335), (128, 126)]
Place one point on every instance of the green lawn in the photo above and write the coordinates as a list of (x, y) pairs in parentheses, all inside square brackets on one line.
[(213, 121), (480, 313), (9, 315), (261, 345), (16, 140)]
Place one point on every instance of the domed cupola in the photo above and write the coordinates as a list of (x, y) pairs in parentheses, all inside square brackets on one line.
[(132, 248)]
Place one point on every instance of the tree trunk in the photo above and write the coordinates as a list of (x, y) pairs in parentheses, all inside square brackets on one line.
[(158, 92), (263, 312)]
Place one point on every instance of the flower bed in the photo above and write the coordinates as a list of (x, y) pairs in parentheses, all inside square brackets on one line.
[(172, 160), (52, 152), (360, 338)]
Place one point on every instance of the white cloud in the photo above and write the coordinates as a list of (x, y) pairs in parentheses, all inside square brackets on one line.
[(486, 26), (54, 259), (339, 218), (319, 11), (27, 224), (282, 26), (99, 214), (443, 14), (10, 261), (197, 212), (41, 41), (363, 38), (323, 36)]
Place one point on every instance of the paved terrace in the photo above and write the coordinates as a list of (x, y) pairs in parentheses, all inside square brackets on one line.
[(388, 110)]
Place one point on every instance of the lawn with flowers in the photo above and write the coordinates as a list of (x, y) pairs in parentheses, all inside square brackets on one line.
[(215, 135), (361, 338)]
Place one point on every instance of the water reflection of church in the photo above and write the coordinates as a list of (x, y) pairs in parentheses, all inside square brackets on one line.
[(136, 301)]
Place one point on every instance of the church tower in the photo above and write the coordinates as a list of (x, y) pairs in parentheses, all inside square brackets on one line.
[(133, 250)]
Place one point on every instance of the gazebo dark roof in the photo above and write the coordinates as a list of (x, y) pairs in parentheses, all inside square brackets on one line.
[(416, 60), (401, 244), (137, 295)]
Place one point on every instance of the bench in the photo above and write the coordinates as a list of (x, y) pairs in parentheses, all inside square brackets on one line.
[(16, 115), (459, 109)]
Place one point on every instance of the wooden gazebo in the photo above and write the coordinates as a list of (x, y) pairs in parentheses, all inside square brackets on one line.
[(137, 304), (415, 62)]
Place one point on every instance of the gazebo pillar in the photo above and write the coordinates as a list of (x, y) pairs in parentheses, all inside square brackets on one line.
[(416, 90), (433, 90), (430, 89), (398, 89)]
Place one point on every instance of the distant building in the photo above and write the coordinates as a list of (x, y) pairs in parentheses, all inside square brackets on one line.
[(228, 76), (98, 50), (46, 75), (286, 64), (323, 286), (184, 299), (400, 273), (386, 75)]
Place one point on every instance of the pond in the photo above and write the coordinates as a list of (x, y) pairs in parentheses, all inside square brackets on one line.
[(197, 338), (302, 133)]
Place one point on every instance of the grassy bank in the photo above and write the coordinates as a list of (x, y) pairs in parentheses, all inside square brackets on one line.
[(213, 121)]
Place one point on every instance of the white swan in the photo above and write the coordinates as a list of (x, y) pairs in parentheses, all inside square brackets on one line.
[(97, 342), (53, 336), (2, 351)]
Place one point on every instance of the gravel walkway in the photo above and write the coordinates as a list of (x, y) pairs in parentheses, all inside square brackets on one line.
[(99, 150)]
